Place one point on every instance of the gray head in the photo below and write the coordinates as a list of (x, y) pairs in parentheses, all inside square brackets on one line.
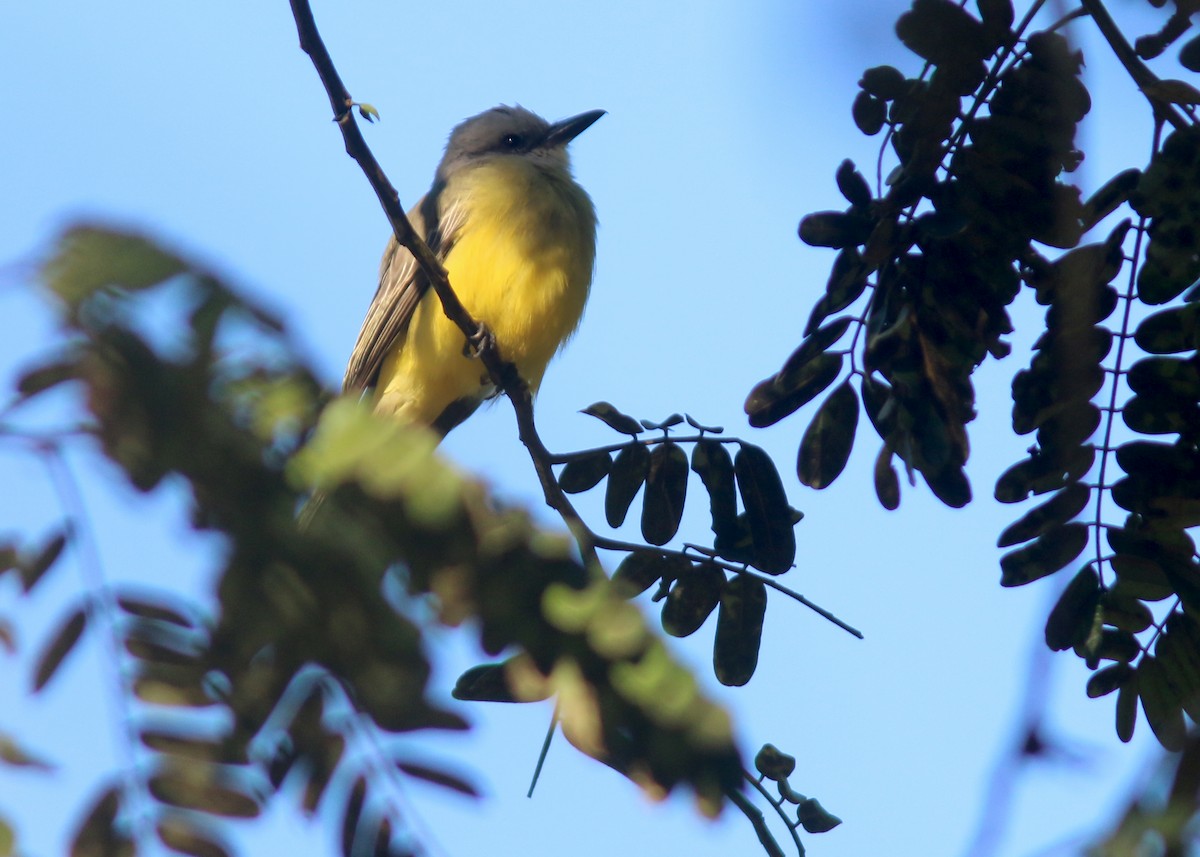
[(513, 132)]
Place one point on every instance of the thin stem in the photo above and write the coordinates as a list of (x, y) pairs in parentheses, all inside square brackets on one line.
[(1145, 79), (550, 730), (628, 547)]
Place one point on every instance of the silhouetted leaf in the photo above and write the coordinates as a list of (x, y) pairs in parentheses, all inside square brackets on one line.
[(883, 81), (869, 113), (773, 763), (852, 185), (669, 422), (943, 33), (1070, 622), (713, 464), (1124, 612), (1127, 701), (34, 567), (781, 395), (996, 14), (613, 418), (175, 743), (1180, 663), (156, 610), (99, 835), (584, 473), (739, 630), (814, 818), (1189, 54), (624, 481), (45, 376), (638, 572), (768, 513), (186, 837), (1116, 645), (1048, 554), (484, 683), (835, 229), (353, 814), (1059, 509), (1041, 473), (438, 777), (59, 647), (200, 787), (1160, 704), (692, 598), (887, 482), (825, 447), (1170, 331), (1111, 195), (666, 493), (1105, 681)]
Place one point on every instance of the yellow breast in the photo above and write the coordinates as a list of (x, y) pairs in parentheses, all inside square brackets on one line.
[(521, 263)]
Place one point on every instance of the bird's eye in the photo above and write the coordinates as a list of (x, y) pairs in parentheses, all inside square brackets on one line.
[(513, 141)]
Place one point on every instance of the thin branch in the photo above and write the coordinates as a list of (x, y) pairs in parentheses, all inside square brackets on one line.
[(759, 822), (628, 547), (550, 730), (503, 374), (1145, 79)]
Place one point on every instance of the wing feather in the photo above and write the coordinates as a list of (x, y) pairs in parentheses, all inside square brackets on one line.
[(401, 287)]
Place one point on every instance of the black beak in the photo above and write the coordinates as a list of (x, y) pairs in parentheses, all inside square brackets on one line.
[(566, 130)]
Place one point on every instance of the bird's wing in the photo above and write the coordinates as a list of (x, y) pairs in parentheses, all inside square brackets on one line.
[(401, 287)]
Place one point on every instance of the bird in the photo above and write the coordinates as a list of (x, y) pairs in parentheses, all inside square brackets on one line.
[(517, 236)]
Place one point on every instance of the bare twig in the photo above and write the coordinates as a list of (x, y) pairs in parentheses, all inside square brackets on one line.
[(1141, 74)]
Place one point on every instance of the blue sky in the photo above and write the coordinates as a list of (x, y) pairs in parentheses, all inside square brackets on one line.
[(206, 126)]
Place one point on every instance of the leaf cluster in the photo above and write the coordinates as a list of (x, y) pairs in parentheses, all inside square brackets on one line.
[(313, 646), (975, 209)]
